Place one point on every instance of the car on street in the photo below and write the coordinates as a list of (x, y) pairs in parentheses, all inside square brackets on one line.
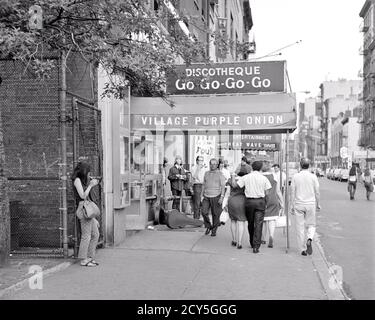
[(329, 173), (336, 173), (344, 175), (292, 172), (319, 172)]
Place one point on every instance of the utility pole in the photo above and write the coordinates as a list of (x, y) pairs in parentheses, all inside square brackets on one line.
[(4, 206), (63, 163)]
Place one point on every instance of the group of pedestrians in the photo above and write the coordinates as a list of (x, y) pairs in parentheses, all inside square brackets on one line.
[(254, 194), (368, 181)]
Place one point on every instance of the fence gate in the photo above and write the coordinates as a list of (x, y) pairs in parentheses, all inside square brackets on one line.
[(86, 146), (32, 160)]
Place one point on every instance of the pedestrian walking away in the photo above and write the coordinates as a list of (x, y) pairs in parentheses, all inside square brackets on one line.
[(368, 182), (352, 181), (305, 200), (243, 166), (212, 197), (177, 176), (275, 205), (276, 175), (89, 227), (257, 187), (197, 171), (236, 210)]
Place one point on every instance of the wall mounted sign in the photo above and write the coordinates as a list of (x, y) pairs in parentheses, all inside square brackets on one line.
[(268, 142), (248, 121), (220, 78)]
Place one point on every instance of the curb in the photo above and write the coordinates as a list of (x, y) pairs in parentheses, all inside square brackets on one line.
[(331, 281), (22, 284)]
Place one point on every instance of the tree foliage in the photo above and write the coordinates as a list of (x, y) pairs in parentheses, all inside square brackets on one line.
[(124, 36)]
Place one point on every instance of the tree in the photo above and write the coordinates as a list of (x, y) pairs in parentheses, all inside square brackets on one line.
[(122, 35)]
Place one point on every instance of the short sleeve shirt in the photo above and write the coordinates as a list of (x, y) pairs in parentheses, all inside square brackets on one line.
[(255, 184)]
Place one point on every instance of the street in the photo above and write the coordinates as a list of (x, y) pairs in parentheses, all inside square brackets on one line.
[(347, 234)]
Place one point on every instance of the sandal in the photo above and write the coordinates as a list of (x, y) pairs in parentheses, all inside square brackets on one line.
[(88, 264), (94, 262)]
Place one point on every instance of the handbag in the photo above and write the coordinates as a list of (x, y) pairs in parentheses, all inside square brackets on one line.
[(224, 216), (281, 221), (90, 209)]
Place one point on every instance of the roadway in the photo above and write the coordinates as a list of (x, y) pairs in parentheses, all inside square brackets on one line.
[(347, 234)]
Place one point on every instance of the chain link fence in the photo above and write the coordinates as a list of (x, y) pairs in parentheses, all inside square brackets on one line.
[(32, 143)]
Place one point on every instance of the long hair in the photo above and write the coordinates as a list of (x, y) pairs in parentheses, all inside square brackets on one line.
[(353, 171), (81, 171)]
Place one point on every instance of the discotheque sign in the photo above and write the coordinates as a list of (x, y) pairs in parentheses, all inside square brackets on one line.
[(226, 78)]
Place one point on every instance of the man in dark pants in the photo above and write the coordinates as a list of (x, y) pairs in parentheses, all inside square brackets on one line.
[(257, 187), (212, 197)]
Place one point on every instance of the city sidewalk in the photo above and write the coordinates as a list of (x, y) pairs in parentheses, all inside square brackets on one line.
[(186, 264)]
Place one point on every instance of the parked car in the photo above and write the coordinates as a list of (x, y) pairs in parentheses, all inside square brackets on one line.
[(336, 174), (330, 173), (319, 172), (344, 175)]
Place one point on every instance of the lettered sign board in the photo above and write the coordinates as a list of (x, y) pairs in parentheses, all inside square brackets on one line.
[(226, 78)]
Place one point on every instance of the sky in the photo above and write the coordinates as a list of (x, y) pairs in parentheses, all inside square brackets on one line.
[(329, 30)]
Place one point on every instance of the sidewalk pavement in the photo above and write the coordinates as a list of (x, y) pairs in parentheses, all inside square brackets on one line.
[(186, 264)]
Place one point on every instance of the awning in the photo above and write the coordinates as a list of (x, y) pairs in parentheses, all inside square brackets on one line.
[(268, 113)]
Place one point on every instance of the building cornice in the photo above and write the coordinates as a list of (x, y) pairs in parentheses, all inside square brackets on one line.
[(365, 8)]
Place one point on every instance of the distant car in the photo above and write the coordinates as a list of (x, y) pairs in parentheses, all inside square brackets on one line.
[(336, 174), (344, 175), (330, 173), (319, 172), (291, 173)]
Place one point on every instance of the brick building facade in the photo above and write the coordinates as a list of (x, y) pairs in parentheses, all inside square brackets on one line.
[(32, 143)]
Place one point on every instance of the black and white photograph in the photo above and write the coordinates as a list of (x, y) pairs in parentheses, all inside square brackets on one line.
[(191, 153)]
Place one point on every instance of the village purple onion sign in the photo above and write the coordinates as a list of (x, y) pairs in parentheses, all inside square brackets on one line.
[(227, 78)]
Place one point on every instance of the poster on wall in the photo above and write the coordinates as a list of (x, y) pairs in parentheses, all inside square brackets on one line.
[(204, 146)]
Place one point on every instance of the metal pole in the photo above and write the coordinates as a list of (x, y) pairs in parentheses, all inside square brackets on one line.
[(75, 161), (63, 177), (287, 190)]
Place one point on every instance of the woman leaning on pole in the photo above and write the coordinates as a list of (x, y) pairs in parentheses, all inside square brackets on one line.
[(89, 226)]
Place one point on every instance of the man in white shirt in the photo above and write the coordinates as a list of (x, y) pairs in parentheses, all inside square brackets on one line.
[(305, 200), (197, 172), (257, 187)]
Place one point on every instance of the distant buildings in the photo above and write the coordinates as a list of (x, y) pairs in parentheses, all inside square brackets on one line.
[(329, 131), (367, 110)]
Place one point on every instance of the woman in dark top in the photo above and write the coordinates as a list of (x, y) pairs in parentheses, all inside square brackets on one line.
[(89, 227), (274, 204), (178, 177), (236, 210), (352, 181), (368, 182)]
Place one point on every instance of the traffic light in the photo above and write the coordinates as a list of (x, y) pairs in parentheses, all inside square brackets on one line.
[(36, 17)]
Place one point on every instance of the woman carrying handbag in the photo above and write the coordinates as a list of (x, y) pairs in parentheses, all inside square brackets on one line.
[(368, 182), (89, 226)]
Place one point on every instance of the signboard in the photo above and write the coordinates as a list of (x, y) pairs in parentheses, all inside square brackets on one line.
[(268, 142), (321, 159), (248, 121), (204, 146), (344, 152), (227, 78), (221, 46)]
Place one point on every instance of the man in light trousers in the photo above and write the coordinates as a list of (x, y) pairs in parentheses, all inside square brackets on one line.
[(305, 200)]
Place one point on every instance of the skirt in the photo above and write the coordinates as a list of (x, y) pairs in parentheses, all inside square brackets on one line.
[(236, 207)]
